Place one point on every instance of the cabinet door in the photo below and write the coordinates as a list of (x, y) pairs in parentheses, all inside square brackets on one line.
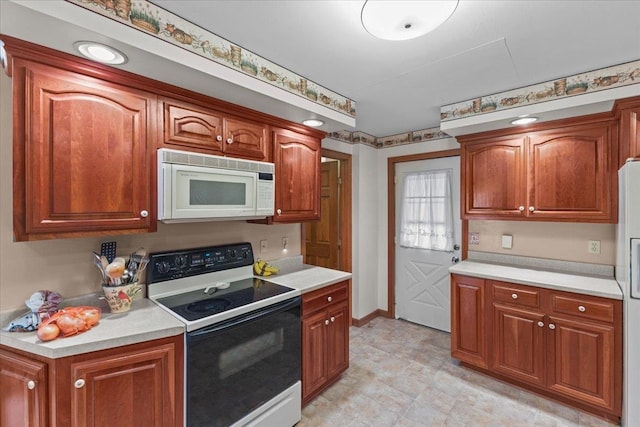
[(630, 133), (297, 160), (338, 340), (469, 333), (582, 362), (518, 343), (245, 139), (314, 352), (187, 125), (132, 389), (494, 182), (570, 173), (23, 399), (82, 165)]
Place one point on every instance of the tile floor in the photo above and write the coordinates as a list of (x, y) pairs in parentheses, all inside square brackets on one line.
[(401, 374)]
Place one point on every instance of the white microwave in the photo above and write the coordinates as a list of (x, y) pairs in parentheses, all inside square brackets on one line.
[(202, 187)]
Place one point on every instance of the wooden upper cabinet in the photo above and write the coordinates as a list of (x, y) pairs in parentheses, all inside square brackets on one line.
[(571, 173), (190, 126), (629, 115), (493, 175), (563, 173), (297, 160), (81, 163)]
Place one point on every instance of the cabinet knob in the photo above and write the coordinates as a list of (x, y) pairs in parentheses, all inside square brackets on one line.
[(31, 384), (514, 296), (279, 211), (144, 214), (531, 209), (540, 323), (229, 140), (521, 208), (582, 308), (329, 299), (79, 383), (552, 326), (326, 322), (333, 319), (219, 138)]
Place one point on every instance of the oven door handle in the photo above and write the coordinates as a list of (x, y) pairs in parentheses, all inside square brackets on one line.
[(245, 318)]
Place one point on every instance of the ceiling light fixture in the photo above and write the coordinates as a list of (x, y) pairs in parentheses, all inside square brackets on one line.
[(100, 53), (404, 20), (524, 120), (313, 122)]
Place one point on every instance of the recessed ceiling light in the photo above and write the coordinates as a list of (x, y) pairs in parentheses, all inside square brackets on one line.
[(524, 120), (100, 53), (405, 19), (313, 122)]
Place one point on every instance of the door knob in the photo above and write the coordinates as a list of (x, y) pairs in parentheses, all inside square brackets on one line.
[(455, 260), (456, 247)]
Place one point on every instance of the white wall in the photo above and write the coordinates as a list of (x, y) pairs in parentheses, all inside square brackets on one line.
[(66, 265)]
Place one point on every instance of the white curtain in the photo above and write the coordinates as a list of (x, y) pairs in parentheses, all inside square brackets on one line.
[(427, 212)]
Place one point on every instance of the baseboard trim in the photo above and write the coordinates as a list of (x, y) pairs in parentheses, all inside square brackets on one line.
[(369, 317)]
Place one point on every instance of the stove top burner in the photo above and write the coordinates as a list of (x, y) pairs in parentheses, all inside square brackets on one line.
[(210, 306), (198, 304)]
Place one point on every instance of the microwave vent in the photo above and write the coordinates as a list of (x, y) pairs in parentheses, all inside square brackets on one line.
[(185, 158)]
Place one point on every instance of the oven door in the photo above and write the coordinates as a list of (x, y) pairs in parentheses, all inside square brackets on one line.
[(235, 366)]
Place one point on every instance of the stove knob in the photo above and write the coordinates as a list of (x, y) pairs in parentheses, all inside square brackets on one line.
[(163, 267), (233, 253), (181, 261)]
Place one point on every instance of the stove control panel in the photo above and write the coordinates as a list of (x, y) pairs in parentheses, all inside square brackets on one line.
[(191, 262)]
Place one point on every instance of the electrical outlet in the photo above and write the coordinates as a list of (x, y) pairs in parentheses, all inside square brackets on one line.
[(285, 242), (263, 246), (594, 246)]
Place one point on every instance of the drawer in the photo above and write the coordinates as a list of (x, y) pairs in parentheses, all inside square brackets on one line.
[(520, 295), (325, 297), (602, 310)]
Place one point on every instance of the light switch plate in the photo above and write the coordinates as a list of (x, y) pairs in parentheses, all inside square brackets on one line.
[(507, 241)]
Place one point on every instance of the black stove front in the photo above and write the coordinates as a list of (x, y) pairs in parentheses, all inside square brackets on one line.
[(199, 304)]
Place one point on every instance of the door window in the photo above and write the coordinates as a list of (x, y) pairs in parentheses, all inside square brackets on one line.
[(427, 212)]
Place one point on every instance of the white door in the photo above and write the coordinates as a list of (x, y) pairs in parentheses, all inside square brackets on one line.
[(422, 277)]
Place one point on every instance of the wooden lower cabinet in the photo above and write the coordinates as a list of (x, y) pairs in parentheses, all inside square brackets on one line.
[(135, 385), (517, 338), (469, 338), (565, 345), (23, 396), (325, 338)]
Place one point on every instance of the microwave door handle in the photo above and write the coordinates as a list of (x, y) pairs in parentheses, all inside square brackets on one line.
[(246, 318)]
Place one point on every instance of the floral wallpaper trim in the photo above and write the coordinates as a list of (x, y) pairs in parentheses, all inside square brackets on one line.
[(157, 22), (592, 81), (423, 135)]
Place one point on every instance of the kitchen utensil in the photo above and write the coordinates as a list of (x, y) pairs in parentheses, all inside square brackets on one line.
[(98, 262), (141, 267), (108, 249), (115, 270)]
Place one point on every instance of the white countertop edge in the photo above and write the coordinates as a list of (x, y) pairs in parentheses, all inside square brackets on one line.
[(587, 285)]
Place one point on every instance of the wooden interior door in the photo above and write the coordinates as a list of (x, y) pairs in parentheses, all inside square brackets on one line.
[(322, 238)]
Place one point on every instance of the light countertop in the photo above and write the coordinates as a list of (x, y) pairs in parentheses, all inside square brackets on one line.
[(598, 286), (144, 322), (307, 278)]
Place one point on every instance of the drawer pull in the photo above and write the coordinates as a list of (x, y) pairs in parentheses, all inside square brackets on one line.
[(581, 308), (541, 324), (531, 209), (329, 299), (333, 319), (514, 296), (79, 383), (521, 208), (31, 385), (326, 322), (552, 326)]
